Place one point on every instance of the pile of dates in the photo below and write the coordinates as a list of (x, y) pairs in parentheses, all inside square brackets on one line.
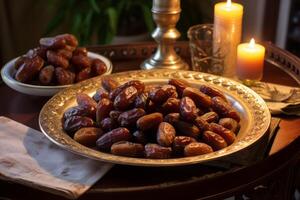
[(57, 61), (153, 121)]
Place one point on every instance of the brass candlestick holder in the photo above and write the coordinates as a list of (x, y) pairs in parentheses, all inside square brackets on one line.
[(166, 14)]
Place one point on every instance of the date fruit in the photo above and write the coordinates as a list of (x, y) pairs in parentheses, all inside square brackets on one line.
[(201, 100), (212, 92), (171, 105), (103, 109), (29, 69), (210, 117), (72, 124), (188, 109), (201, 124), (85, 100), (187, 129), (85, 111), (138, 85), (230, 124), (180, 142), (156, 151), (98, 67), (172, 118), (109, 84), (100, 94), (228, 135), (214, 140), (224, 109), (108, 124), (180, 85), (129, 118), (125, 98), (150, 121), (115, 135), (57, 60), (46, 75), (125, 148), (64, 77), (197, 148), (88, 136), (165, 134)]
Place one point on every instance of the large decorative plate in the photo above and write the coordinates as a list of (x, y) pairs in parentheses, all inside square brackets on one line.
[(255, 116)]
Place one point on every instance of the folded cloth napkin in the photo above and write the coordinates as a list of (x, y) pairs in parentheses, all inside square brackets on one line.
[(279, 98), (29, 158)]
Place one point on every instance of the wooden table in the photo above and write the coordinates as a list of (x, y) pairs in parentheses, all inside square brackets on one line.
[(196, 181)]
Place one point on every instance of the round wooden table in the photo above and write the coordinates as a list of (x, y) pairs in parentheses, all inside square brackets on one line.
[(271, 177)]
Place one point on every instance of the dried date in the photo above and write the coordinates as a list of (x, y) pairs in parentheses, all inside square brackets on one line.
[(180, 142), (108, 124), (197, 148), (72, 124), (129, 118), (64, 77), (57, 60), (103, 109), (224, 109), (88, 136), (214, 140), (165, 134), (212, 92), (100, 94), (125, 98), (29, 69), (188, 109), (109, 84), (230, 124), (180, 85), (109, 138), (125, 148), (46, 75), (156, 151), (150, 121), (210, 117), (228, 135), (201, 100), (187, 129), (171, 105)]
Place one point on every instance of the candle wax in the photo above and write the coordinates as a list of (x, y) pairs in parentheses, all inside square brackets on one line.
[(250, 60)]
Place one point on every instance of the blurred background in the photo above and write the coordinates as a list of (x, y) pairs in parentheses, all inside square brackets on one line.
[(97, 22)]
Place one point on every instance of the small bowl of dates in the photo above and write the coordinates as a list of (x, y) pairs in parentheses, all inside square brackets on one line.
[(166, 121), (55, 64)]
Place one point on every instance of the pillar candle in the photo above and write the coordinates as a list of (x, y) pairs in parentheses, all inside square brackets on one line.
[(227, 35), (250, 60)]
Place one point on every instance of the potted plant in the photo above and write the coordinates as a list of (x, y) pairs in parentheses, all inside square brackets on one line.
[(101, 20)]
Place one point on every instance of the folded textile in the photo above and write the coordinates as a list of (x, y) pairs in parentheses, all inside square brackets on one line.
[(280, 99), (29, 158)]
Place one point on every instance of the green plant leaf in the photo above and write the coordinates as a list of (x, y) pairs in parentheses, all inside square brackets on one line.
[(148, 17), (55, 22), (76, 24), (112, 20), (94, 5)]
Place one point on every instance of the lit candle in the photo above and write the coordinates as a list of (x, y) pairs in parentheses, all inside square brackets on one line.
[(250, 61), (227, 35)]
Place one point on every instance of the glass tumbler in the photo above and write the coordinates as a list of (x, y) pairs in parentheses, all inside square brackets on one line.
[(203, 57)]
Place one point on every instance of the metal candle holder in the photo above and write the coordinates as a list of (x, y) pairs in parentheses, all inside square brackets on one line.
[(166, 14)]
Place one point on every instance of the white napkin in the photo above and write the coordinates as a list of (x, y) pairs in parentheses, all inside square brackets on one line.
[(279, 98), (29, 158)]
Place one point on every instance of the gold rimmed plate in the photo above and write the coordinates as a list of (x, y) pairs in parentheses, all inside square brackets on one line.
[(255, 116)]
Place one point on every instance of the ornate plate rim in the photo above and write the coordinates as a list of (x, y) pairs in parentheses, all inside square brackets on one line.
[(258, 107)]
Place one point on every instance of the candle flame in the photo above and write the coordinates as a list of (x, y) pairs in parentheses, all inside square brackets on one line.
[(252, 43), (228, 4)]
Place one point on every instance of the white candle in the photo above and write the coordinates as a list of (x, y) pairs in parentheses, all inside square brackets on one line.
[(250, 61), (227, 35)]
